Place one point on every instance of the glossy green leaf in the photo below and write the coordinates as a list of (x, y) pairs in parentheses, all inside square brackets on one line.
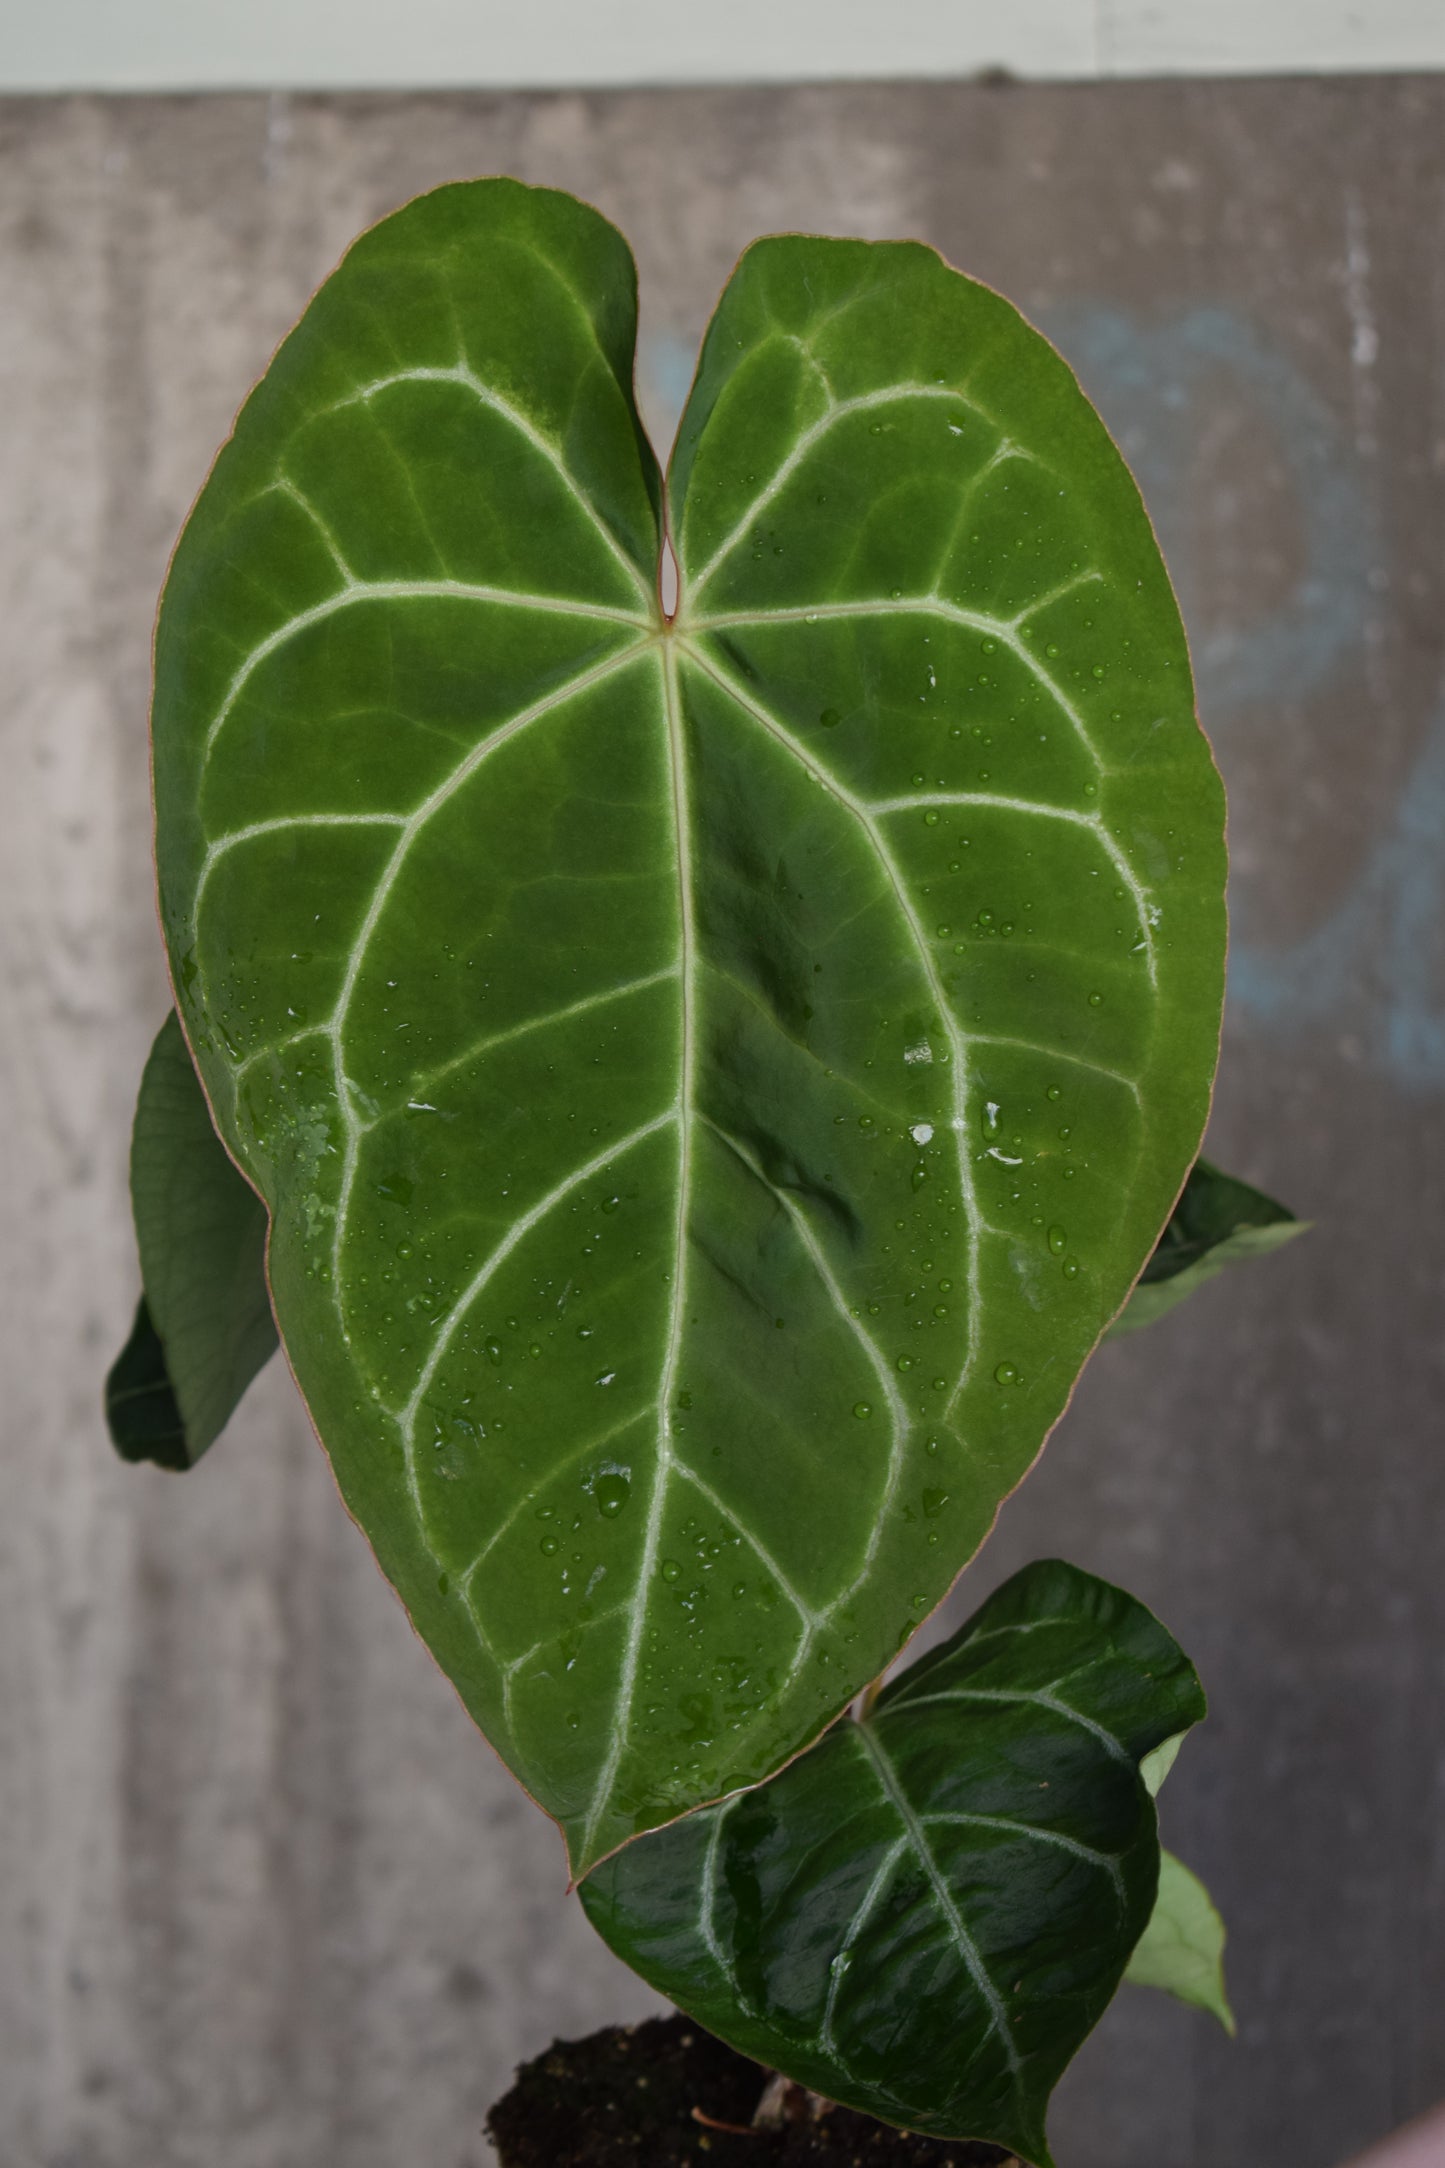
[(925, 1915), (1182, 1948), (714, 1079), (203, 1327), (1218, 1221)]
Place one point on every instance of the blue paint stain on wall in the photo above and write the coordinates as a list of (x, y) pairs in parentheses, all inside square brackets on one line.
[(1381, 951), (1153, 385), (1376, 964)]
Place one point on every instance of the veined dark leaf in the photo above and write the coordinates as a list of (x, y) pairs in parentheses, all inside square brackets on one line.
[(1218, 1221), (714, 1079), (925, 1915), (204, 1326), (1181, 1951)]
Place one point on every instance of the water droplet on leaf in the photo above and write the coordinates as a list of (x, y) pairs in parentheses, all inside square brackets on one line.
[(611, 1492)]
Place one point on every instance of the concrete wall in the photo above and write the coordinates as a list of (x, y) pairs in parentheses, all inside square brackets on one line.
[(265, 1900)]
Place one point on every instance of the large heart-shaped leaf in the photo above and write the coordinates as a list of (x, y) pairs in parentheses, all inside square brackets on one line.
[(925, 1915), (714, 1079), (203, 1327)]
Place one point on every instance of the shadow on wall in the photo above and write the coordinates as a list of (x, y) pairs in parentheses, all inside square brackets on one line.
[(1376, 963)]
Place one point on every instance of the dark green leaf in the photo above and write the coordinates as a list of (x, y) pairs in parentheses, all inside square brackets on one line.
[(1217, 1222), (925, 1915), (715, 1079), (204, 1325), (140, 1401), (1182, 1948)]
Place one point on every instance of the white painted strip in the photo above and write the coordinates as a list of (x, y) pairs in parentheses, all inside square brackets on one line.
[(373, 44), (1269, 37), (184, 44)]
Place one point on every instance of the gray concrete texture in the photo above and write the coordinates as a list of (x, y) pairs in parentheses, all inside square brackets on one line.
[(266, 1901)]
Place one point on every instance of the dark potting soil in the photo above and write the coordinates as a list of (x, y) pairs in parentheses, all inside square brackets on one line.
[(635, 2098)]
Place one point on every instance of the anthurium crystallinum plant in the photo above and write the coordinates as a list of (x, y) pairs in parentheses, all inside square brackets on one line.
[(698, 1086)]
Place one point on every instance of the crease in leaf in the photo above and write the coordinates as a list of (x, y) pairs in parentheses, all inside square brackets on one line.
[(1218, 1221), (713, 1078), (924, 1916), (203, 1327)]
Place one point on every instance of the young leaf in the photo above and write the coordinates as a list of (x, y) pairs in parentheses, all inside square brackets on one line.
[(204, 1326), (925, 1915), (713, 1078), (1157, 1764), (1218, 1221), (1182, 1948)]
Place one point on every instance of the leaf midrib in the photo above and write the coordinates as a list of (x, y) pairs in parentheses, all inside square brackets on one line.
[(685, 1110), (917, 1836)]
